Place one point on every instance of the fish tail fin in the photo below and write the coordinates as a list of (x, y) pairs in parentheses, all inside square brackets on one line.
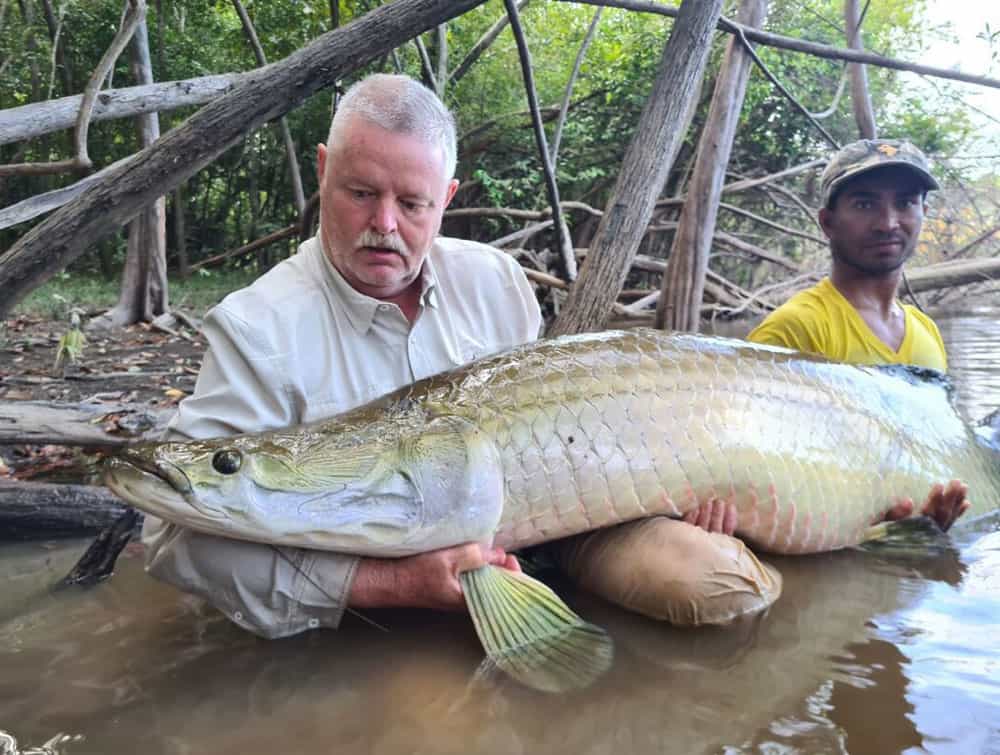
[(530, 634), (914, 535)]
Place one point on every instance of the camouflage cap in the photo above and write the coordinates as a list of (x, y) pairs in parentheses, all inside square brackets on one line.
[(867, 154)]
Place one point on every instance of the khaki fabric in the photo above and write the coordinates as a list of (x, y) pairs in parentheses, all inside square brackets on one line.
[(670, 570), (301, 345)]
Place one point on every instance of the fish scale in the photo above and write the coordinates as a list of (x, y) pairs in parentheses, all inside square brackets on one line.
[(572, 434), (811, 452)]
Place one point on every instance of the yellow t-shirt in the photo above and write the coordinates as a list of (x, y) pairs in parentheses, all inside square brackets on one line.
[(821, 321)]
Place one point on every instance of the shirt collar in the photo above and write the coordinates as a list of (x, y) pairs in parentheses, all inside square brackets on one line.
[(361, 308)]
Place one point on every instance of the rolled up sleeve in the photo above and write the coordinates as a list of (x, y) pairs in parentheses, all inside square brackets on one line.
[(270, 591)]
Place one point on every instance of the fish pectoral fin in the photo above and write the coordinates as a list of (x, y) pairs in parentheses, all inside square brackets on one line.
[(530, 634)]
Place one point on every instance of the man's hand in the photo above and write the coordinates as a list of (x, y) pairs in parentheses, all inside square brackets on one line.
[(943, 505), (427, 580), (714, 515)]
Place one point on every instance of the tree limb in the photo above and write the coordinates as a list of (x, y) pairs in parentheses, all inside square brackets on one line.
[(298, 193), (263, 96), (563, 243), (135, 15), (484, 42), (799, 45), (861, 101), (577, 64), (39, 118), (651, 153)]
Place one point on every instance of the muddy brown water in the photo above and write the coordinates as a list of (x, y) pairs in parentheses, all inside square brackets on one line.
[(862, 654)]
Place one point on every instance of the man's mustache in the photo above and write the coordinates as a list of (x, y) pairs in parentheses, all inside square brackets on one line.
[(391, 241)]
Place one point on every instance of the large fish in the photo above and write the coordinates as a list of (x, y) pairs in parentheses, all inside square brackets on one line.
[(572, 434)]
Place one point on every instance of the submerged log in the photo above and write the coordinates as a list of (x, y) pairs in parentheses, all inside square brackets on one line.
[(35, 510)]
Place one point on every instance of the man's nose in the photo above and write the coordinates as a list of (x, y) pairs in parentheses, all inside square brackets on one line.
[(383, 218), (887, 219)]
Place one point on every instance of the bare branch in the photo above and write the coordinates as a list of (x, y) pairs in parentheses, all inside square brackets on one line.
[(799, 45), (738, 30), (835, 102), (771, 224), (135, 15), (286, 135), (564, 108), (425, 62), (484, 41), (38, 118), (283, 233), (441, 78), (861, 101), (563, 242)]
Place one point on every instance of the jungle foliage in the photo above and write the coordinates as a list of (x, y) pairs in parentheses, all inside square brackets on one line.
[(246, 194)]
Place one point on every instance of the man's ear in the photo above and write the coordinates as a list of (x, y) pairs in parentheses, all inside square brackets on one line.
[(320, 162), (452, 188), (825, 220)]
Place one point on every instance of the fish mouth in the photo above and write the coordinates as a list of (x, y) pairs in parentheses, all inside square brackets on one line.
[(158, 487)]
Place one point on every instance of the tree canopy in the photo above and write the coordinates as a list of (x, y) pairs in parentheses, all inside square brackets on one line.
[(49, 48)]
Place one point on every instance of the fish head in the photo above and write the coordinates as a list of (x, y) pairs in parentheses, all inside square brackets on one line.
[(178, 481), (387, 487)]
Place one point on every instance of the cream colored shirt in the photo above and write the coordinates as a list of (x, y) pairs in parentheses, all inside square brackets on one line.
[(299, 345)]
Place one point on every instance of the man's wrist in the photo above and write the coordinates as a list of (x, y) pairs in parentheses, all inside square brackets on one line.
[(376, 584)]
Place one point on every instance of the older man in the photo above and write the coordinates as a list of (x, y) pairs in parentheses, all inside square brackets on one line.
[(377, 300)]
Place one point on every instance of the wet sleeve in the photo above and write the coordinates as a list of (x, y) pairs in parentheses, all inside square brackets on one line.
[(271, 591)]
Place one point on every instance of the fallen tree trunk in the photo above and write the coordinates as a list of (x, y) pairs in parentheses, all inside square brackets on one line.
[(650, 155), (263, 96), (30, 510), (955, 273), (40, 118), (109, 425)]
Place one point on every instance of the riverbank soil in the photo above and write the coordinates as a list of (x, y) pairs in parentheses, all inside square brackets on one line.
[(140, 364)]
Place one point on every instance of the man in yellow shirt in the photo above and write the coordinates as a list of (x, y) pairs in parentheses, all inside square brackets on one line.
[(874, 194)]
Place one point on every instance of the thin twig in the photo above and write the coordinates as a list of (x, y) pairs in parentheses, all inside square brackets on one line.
[(835, 103), (816, 49), (425, 63), (55, 50), (286, 135), (577, 64), (484, 41), (771, 224), (741, 36), (563, 243)]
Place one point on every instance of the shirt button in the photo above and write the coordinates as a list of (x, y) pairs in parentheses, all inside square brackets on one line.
[(238, 616), (313, 623), (383, 307)]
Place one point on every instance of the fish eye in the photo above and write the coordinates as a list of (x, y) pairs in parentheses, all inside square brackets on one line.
[(227, 461)]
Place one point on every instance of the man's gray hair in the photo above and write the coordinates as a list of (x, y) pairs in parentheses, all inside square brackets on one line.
[(402, 105)]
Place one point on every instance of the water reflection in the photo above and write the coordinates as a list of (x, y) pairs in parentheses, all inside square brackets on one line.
[(973, 343), (863, 653)]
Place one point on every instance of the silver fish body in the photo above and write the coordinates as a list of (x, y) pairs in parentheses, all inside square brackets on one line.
[(575, 433)]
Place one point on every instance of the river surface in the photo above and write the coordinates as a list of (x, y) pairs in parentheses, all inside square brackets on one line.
[(862, 654)]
